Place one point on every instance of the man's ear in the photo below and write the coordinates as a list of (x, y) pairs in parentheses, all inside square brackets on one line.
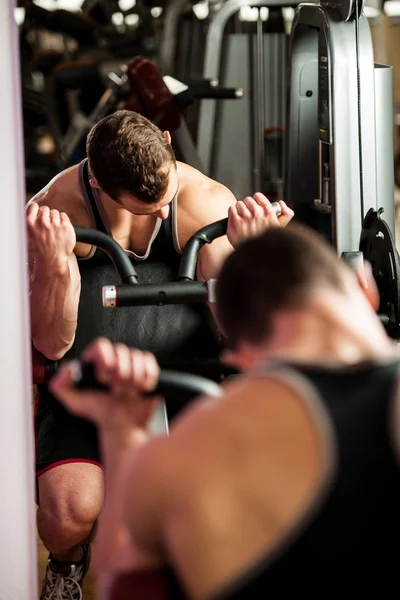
[(93, 183), (368, 285), (167, 136), (242, 358), (235, 358)]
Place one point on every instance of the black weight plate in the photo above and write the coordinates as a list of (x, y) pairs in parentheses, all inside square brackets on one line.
[(378, 247)]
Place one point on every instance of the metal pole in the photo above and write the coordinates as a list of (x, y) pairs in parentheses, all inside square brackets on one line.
[(384, 143), (18, 560), (258, 105), (260, 90)]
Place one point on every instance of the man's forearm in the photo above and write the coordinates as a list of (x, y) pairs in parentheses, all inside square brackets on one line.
[(54, 301), (211, 259), (114, 552)]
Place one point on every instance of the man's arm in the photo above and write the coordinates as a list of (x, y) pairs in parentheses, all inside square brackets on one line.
[(54, 279), (246, 218), (133, 492), (134, 466), (200, 207)]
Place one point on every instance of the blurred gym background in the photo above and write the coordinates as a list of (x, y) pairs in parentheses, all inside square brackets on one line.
[(216, 79)]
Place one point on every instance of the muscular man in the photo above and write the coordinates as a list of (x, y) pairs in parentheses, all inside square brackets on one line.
[(131, 188), (290, 483)]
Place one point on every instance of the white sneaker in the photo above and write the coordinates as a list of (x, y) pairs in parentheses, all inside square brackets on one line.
[(65, 583)]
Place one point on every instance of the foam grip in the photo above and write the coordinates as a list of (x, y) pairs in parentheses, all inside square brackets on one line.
[(182, 386), (84, 377)]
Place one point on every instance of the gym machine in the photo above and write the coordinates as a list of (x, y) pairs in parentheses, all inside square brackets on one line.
[(131, 292), (185, 290), (339, 147), (242, 145)]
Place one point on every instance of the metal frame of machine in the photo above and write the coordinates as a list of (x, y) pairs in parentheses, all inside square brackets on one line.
[(340, 134), (222, 134)]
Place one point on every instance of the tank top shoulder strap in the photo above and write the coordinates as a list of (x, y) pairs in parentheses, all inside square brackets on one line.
[(167, 239), (87, 193)]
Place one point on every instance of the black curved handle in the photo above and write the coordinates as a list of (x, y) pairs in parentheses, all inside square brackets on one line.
[(206, 235), (181, 386), (217, 93), (85, 235)]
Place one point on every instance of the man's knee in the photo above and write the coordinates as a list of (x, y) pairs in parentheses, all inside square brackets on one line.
[(70, 503), (68, 521)]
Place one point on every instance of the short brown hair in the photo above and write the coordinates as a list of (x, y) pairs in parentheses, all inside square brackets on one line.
[(275, 271), (128, 153)]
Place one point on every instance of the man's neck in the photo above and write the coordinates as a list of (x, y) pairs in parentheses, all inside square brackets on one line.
[(110, 205), (338, 335)]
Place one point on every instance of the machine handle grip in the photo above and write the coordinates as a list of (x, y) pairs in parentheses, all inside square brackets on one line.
[(155, 294), (185, 385), (206, 235), (212, 82), (123, 265), (217, 93), (206, 92)]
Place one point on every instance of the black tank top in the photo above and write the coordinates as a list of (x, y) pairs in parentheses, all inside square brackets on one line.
[(180, 336), (175, 334), (348, 544)]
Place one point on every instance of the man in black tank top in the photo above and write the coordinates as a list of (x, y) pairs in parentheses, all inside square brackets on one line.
[(288, 485), (132, 188)]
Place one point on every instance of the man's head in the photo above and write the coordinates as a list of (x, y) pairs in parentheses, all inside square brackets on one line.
[(268, 285), (133, 162)]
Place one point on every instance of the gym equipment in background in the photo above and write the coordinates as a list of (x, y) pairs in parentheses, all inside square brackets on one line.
[(137, 86), (93, 31), (378, 248), (186, 96), (69, 137), (397, 155), (236, 142), (182, 43), (339, 146), (164, 100), (65, 61)]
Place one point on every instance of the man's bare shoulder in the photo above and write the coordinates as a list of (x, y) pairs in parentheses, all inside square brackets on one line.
[(220, 452), (195, 187), (63, 193), (201, 201), (258, 416), (208, 429)]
